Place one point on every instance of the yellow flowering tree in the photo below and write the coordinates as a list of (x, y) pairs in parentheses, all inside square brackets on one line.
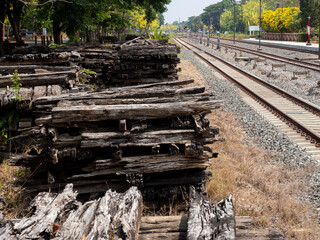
[(226, 20), (139, 22), (281, 20), (251, 12), (169, 27)]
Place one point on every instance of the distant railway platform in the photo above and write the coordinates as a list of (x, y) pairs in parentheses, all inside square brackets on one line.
[(298, 45)]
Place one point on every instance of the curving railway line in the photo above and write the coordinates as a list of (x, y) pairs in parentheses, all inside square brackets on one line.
[(273, 57), (300, 116)]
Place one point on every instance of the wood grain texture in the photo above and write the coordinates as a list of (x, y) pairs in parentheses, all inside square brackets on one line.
[(61, 217), (207, 221)]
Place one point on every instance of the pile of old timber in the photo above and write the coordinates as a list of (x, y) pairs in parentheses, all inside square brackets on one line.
[(144, 61), (137, 61), (36, 80), (34, 58), (99, 59), (61, 216), (118, 216), (40, 74), (153, 136)]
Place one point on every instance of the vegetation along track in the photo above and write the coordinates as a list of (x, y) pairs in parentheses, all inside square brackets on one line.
[(300, 115), (273, 57), (269, 45)]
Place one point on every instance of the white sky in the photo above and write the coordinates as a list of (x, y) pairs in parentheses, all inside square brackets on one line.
[(185, 8)]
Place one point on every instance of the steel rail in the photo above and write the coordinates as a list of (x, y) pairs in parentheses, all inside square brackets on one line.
[(270, 56), (315, 67), (296, 125), (272, 46)]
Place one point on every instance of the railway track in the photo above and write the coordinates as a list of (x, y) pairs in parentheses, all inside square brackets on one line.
[(272, 46), (301, 118), (294, 62)]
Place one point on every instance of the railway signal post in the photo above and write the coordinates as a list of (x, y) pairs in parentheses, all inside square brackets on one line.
[(309, 43), (218, 40)]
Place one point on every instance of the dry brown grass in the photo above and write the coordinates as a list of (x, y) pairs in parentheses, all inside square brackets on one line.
[(267, 192), (16, 202), (190, 72)]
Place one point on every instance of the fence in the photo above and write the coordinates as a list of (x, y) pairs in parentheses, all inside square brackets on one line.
[(281, 36)]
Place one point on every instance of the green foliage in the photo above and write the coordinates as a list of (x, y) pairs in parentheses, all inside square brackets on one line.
[(309, 8), (86, 16), (215, 11), (6, 123), (54, 45), (21, 172), (15, 93), (226, 20), (251, 12), (239, 36), (3, 133), (160, 19), (86, 75), (158, 35), (302, 37)]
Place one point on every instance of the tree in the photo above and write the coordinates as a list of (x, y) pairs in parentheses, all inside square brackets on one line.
[(309, 8), (281, 20), (226, 20), (67, 18), (251, 12), (139, 22), (2, 18), (215, 11), (160, 19), (71, 16), (169, 27)]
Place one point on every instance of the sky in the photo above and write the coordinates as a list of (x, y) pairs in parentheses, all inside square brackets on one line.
[(185, 8)]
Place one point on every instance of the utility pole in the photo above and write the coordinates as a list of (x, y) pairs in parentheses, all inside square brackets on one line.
[(319, 35), (210, 29), (260, 29), (234, 22)]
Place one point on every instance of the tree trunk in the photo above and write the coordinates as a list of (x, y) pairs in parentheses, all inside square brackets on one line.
[(56, 31), (2, 17), (16, 29), (14, 16), (88, 36)]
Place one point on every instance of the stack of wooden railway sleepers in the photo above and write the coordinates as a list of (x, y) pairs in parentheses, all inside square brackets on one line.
[(152, 136), (36, 80), (97, 59), (144, 61), (40, 75), (137, 61), (33, 58)]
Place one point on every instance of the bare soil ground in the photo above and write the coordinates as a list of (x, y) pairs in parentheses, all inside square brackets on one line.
[(267, 192), (15, 201)]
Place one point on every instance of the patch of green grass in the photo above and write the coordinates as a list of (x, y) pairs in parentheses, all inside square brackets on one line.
[(239, 36)]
